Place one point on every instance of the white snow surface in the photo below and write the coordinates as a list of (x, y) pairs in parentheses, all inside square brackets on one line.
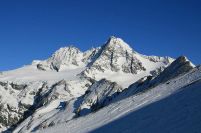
[(30, 74), (170, 107)]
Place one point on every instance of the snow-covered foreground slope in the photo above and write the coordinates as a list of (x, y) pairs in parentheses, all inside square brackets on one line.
[(173, 106)]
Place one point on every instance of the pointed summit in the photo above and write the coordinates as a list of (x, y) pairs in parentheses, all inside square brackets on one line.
[(65, 53), (66, 57), (117, 43)]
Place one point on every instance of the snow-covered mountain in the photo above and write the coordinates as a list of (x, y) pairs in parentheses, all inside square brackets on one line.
[(72, 87), (173, 107)]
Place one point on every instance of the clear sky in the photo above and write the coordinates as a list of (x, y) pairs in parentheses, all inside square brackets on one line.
[(34, 29)]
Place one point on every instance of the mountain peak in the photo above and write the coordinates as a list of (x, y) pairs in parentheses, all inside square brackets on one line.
[(180, 66), (63, 50), (182, 57), (116, 43), (64, 58), (183, 60)]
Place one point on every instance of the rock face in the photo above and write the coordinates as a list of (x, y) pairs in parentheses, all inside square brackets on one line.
[(20, 102), (64, 57), (14, 102), (72, 83), (116, 56), (98, 95), (179, 67)]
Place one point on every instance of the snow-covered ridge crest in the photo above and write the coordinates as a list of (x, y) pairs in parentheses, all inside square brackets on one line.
[(113, 61), (112, 51), (71, 57)]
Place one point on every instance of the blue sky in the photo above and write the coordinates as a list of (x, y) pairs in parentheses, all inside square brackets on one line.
[(34, 29)]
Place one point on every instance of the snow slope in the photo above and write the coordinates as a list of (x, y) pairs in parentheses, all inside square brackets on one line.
[(170, 107), (31, 74)]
